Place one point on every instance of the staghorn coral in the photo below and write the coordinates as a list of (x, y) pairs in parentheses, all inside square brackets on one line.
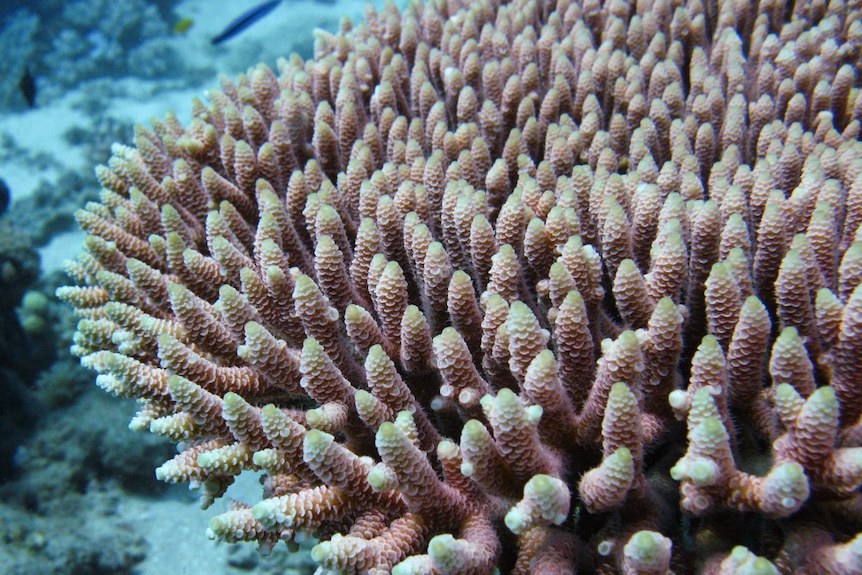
[(546, 288)]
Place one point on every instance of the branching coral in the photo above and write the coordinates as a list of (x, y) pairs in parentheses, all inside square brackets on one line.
[(538, 287)]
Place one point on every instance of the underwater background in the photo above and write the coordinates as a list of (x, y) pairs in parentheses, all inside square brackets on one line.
[(77, 490)]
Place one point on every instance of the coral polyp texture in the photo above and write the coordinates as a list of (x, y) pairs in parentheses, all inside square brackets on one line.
[(533, 287)]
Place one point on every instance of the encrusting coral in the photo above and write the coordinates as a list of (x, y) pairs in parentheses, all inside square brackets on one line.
[(535, 287)]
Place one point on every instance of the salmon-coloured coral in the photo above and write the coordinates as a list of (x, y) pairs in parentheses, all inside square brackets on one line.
[(518, 287)]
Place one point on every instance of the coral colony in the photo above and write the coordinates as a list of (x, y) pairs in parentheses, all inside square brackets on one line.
[(516, 288)]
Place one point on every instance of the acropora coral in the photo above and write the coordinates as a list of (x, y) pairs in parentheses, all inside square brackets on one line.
[(537, 287)]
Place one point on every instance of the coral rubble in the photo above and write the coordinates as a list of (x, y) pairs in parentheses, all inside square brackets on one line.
[(536, 287)]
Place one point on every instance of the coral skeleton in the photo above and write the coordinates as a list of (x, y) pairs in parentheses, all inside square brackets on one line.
[(528, 287)]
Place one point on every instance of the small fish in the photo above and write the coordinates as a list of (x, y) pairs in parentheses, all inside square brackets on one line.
[(27, 85), (182, 25), (245, 20), (5, 196)]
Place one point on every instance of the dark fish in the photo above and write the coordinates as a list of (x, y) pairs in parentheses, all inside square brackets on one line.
[(5, 196), (27, 85), (245, 20)]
